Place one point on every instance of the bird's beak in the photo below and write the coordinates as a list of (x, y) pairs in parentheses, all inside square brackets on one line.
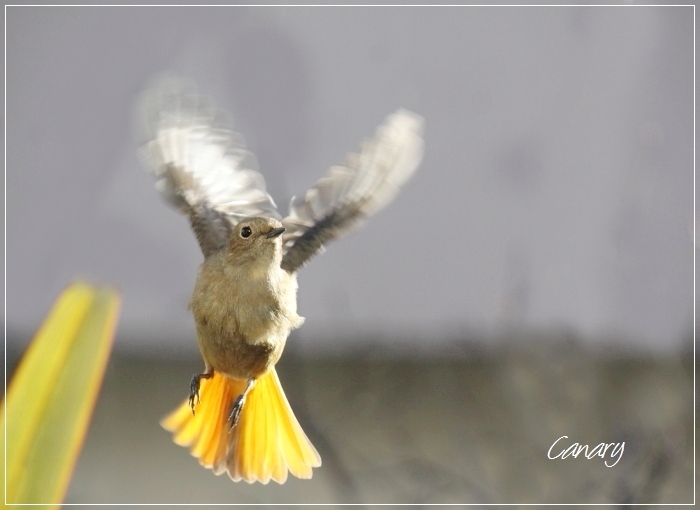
[(275, 232)]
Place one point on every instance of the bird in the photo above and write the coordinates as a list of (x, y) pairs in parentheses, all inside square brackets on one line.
[(237, 418)]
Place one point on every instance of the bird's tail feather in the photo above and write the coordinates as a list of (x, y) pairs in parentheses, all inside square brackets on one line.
[(266, 443)]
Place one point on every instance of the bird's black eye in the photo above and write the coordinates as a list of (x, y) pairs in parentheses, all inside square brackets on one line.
[(245, 232)]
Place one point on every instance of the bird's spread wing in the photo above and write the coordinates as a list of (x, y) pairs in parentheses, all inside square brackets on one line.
[(349, 193), (201, 166)]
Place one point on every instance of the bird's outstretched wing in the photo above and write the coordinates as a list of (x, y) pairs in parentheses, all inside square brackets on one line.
[(349, 193), (201, 166)]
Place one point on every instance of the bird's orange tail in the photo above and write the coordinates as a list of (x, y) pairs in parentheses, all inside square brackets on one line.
[(266, 442)]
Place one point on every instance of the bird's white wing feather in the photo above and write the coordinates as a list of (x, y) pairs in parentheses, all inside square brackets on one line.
[(202, 167), (347, 194)]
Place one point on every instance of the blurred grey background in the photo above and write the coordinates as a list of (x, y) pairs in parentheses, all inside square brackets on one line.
[(545, 245), (556, 189)]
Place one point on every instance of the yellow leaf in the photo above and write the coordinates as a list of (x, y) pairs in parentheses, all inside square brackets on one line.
[(53, 392)]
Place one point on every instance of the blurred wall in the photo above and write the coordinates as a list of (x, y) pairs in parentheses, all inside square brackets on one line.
[(556, 189), (469, 431)]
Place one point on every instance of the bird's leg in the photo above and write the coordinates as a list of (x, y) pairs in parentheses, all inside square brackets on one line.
[(194, 386), (237, 406)]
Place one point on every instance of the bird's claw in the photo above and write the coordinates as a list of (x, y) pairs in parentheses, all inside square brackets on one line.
[(236, 411), (194, 391)]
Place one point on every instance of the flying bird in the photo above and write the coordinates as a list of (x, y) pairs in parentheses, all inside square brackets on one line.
[(237, 418)]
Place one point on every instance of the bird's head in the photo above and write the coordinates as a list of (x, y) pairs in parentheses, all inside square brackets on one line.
[(257, 239)]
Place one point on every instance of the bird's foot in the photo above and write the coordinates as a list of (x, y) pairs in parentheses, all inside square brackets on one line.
[(237, 406), (194, 388), (236, 409)]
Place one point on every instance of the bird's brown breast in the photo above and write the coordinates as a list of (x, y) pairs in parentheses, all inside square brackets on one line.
[(242, 319)]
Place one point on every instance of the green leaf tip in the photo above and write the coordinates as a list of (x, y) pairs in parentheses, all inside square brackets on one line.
[(53, 392)]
